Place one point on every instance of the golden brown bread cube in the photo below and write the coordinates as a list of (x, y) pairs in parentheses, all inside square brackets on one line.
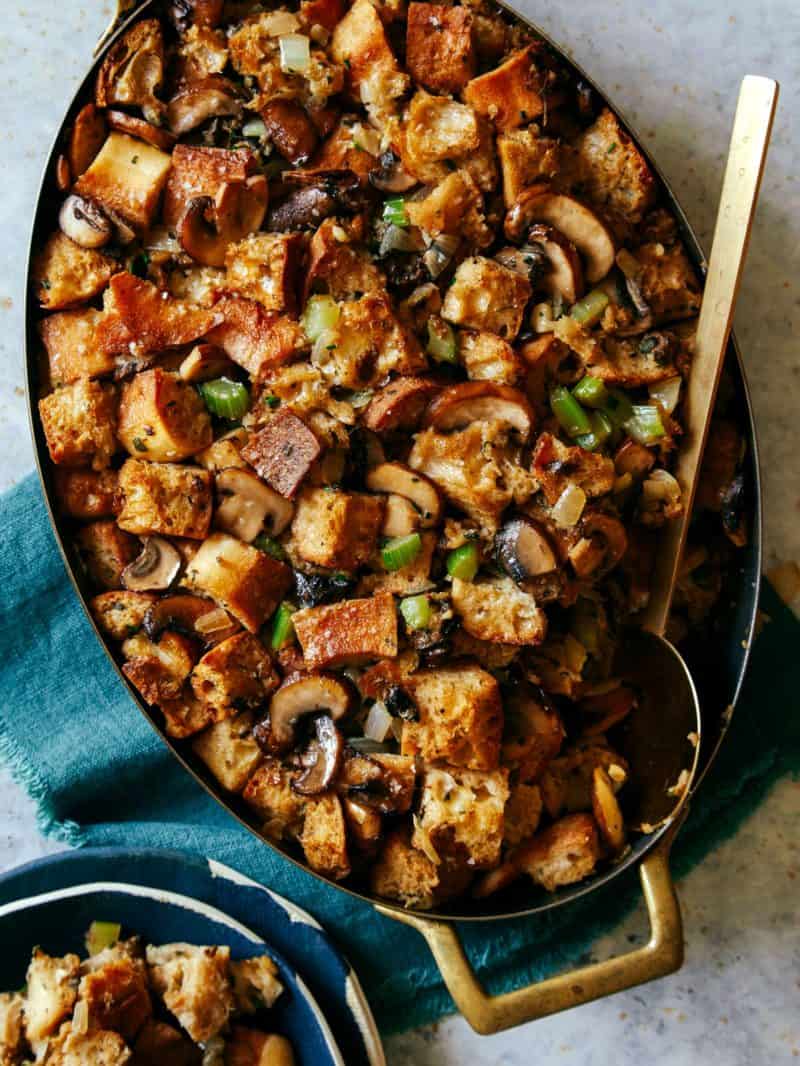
[(348, 632), (194, 986), (454, 206), (245, 581), (410, 579), (337, 266), (256, 983), (52, 988), (533, 734), (258, 340), (120, 614), (198, 171), (498, 610), (283, 452), (437, 128), (117, 997), (557, 465), (165, 498), (408, 875), (74, 349), (105, 550), (461, 814), (562, 854), (158, 669), (668, 281), (522, 814), (65, 274), (237, 673), (11, 1028), (324, 836), (101, 1047), (488, 296), (132, 71), (439, 49), (185, 715), (526, 158), (612, 172), (225, 452), (147, 319), (265, 267), (270, 794), (487, 357), (337, 529), (229, 750), (161, 418), (460, 717), (87, 494), (374, 76), (512, 94), (127, 177), (80, 423)]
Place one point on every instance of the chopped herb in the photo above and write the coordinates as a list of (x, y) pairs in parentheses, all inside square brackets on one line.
[(612, 149), (272, 402), (139, 444), (135, 160), (139, 264), (647, 344), (46, 284)]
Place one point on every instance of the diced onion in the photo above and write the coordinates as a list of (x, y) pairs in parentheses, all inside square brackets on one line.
[(567, 510), (542, 318), (379, 722), (397, 239), (295, 53), (661, 485), (277, 23), (80, 1018), (440, 253), (423, 841), (666, 394), (321, 315), (366, 137)]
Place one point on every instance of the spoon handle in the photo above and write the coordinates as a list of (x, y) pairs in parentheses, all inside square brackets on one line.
[(746, 157)]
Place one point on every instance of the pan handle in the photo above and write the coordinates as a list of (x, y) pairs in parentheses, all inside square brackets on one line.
[(662, 955), (123, 9)]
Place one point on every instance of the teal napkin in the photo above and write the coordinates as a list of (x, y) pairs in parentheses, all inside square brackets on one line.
[(99, 775)]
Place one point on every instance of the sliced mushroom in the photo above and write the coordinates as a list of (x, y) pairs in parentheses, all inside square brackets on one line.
[(63, 174), (290, 130), (132, 72), (318, 587), (381, 781), (606, 809), (205, 362), (400, 480), (400, 517), (248, 506), (308, 694), (480, 401), (578, 223), (86, 138), (184, 13), (523, 550), (322, 194), (155, 568), (564, 275), (199, 101), (390, 175), (84, 222), (209, 226), (137, 127), (602, 545), (633, 458), (530, 261), (190, 615), (321, 759)]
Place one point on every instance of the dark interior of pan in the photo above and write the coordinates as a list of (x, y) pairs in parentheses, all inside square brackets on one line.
[(718, 661)]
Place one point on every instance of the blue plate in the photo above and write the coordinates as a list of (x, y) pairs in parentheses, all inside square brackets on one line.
[(166, 896)]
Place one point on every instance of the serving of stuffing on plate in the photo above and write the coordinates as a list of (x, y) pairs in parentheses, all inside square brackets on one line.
[(365, 336)]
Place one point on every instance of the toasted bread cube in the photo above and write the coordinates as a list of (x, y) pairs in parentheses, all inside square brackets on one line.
[(337, 529), (116, 996), (348, 632), (668, 281), (404, 873), (258, 340), (270, 794), (127, 177), (499, 610), (487, 357), (229, 750), (159, 669), (612, 172), (533, 736), (389, 779), (265, 267), (66, 274), (321, 13), (87, 494), (324, 837), (374, 76), (149, 319), (488, 296), (11, 1027), (410, 579), (512, 94), (74, 346), (522, 814), (248, 583), (120, 614), (455, 206), (476, 468), (438, 128), (460, 717), (198, 171), (194, 985), (132, 71), (52, 988), (80, 423), (256, 983), (283, 452), (237, 673), (526, 159), (159, 1044), (185, 715), (225, 452), (562, 854), (161, 418), (100, 1047), (105, 550), (337, 266), (439, 49), (368, 344), (461, 813), (165, 498), (558, 465)]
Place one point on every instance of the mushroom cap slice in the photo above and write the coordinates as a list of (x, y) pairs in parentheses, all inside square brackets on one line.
[(321, 759), (602, 545), (480, 401), (565, 277), (400, 480), (400, 518), (606, 809), (248, 505), (523, 549), (390, 175), (208, 226), (569, 216), (184, 613), (137, 127), (317, 693), (200, 100), (156, 567), (84, 222)]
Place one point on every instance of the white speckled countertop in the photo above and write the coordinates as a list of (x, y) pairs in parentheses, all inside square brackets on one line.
[(674, 70)]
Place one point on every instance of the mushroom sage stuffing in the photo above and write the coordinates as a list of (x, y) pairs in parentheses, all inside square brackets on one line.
[(367, 334), (142, 1005)]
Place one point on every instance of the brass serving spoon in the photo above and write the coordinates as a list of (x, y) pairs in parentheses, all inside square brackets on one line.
[(663, 738)]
